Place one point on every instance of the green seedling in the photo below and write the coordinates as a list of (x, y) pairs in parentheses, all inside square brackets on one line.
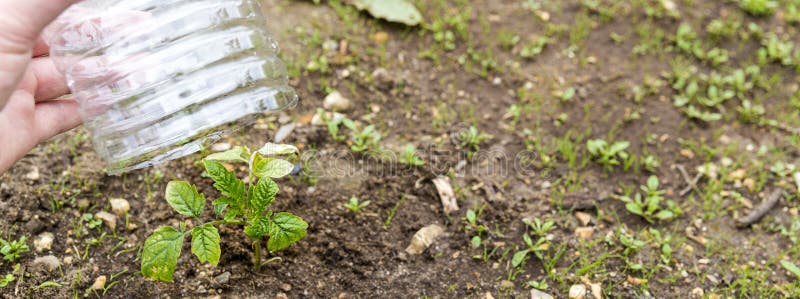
[(332, 124), (749, 112), (651, 163), (9, 277), (409, 156), (608, 156), (472, 225), (568, 94), (535, 48), (91, 222), (631, 244), (240, 203), (649, 205), (789, 266), (470, 140), (539, 285), (540, 230), (664, 244), (12, 250), (355, 206), (362, 140), (778, 50), (759, 8)]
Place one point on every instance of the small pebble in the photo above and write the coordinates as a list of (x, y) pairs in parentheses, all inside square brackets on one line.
[(335, 101), (577, 291), (286, 287), (220, 147), (223, 278), (119, 206), (109, 219), (537, 294), (43, 242), (33, 175), (99, 283), (284, 132), (424, 238)]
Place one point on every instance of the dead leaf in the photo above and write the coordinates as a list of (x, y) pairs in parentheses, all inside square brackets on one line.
[(446, 194)]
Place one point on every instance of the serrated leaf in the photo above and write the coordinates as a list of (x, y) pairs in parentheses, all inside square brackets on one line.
[(225, 181), (284, 230), (184, 198), (791, 268), (275, 149), (258, 227), (400, 11), (160, 254), (236, 154), (518, 258), (205, 244), (263, 194), (271, 167)]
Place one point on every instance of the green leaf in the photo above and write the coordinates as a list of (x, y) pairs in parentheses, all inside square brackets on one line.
[(634, 208), (258, 227), (271, 167), (184, 198), (263, 194), (275, 149), (225, 181), (284, 230), (47, 284), (205, 244), (791, 267), (160, 254), (400, 11), (236, 154), (665, 215), (518, 258)]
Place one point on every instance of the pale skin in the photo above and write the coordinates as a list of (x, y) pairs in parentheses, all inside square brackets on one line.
[(31, 107)]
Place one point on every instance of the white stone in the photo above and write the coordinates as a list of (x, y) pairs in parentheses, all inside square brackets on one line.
[(119, 206), (43, 242), (335, 101), (537, 294), (284, 132), (109, 219), (577, 291)]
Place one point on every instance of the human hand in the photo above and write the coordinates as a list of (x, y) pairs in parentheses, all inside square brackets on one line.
[(29, 81)]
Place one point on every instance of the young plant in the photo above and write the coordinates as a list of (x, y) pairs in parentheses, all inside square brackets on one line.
[(332, 124), (243, 204), (649, 205), (759, 7), (540, 230), (355, 206), (472, 225), (608, 156), (362, 140), (409, 156), (470, 140), (13, 250), (9, 277)]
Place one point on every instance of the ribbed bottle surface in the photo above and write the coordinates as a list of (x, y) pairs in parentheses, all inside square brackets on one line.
[(158, 80)]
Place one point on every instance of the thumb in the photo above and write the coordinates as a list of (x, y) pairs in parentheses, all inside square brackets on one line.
[(21, 22)]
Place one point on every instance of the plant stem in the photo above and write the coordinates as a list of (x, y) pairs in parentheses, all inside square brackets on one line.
[(257, 254)]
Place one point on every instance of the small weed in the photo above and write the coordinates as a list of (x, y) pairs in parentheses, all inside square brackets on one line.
[(470, 140), (355, 206), (649, 205), (759, 8), (607, 155), (9, 277), (12, 250), (409, 156), (362, 139)]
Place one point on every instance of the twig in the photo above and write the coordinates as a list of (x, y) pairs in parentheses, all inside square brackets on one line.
[(691, 183), (760, 210)]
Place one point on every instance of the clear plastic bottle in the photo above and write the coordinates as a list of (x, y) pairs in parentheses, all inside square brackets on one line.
[(158, 80)]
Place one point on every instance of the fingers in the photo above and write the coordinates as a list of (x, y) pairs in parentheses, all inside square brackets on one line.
[(55, 117), (26, 19), (50, 83), (40, 48), (21, 22)]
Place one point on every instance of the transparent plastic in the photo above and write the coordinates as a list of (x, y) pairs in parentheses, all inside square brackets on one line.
[(158, 80)]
